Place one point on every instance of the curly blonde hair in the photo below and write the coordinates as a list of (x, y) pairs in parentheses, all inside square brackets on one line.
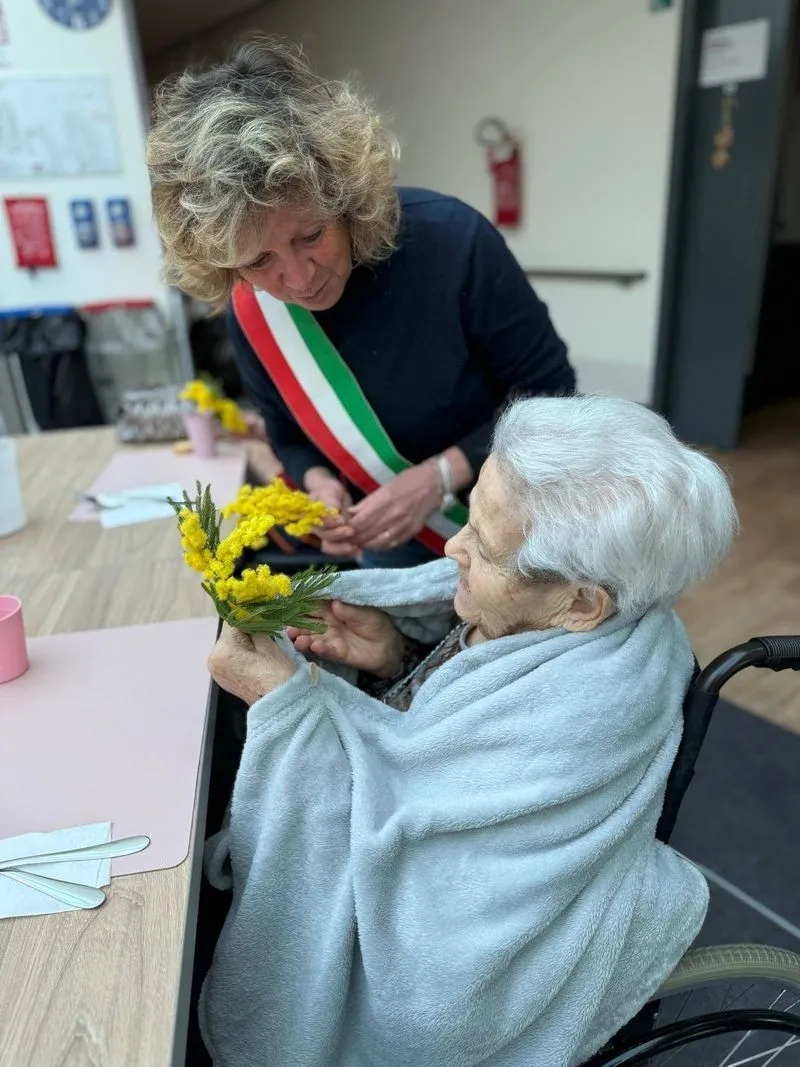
[(254, 133)]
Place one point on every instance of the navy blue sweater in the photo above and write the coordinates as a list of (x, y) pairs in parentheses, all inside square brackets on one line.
[(439, 336)]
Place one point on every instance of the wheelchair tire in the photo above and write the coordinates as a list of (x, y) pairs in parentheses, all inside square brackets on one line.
[(716, 1001), (720, 963)]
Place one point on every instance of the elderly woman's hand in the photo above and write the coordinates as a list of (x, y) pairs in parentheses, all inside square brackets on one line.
[(357, 637), (249, 666)]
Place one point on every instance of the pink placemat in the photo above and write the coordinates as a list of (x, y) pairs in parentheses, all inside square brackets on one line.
[(133, 468), (108, 725)]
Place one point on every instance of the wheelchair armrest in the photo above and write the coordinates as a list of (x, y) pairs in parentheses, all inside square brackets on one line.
[(783, 652), (775, 653)]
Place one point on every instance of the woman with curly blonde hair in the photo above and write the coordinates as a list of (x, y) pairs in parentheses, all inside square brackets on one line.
[(377, 330)]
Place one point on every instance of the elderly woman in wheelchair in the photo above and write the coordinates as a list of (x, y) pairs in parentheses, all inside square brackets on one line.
[(442, 840)]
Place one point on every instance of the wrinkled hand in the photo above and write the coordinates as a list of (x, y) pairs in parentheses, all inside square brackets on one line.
[(398, 510), (248, 665), (333, 493), (358, 637), (335, 536)]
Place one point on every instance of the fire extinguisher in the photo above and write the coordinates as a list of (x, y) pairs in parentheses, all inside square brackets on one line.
[(504, 158)]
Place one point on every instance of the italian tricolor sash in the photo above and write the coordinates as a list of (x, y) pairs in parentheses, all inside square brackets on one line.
[(326, 400)]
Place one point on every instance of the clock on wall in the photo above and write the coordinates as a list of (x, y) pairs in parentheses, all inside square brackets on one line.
[(77, 14)]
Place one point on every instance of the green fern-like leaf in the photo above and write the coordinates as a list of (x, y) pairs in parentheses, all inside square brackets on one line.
[(271, 617)]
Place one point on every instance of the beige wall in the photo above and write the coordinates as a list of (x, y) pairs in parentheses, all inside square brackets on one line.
[(589, 88)]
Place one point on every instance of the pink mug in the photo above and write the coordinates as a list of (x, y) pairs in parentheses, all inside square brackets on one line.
[(201, 427), (13, 651)]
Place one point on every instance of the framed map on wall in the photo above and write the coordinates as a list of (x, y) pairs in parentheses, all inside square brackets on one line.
[(52, 127)]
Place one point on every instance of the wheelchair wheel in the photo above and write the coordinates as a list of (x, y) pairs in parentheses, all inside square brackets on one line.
[(725, 1006)]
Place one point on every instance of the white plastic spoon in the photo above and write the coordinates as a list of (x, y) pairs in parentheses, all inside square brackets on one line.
[(106, 850), (69, 893), (109, 501)]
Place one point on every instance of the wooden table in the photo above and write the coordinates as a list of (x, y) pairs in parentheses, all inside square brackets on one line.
[(105, 988)]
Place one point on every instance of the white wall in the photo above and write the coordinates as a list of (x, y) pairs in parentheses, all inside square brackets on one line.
[(589, 88), (39, 45)]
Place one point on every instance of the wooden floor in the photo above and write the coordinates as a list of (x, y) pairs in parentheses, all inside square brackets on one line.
[(757, 591)]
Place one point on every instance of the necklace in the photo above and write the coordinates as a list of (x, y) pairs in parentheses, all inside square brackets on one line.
[(462, 628)]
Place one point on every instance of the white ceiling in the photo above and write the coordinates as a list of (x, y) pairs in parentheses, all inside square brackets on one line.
[(163, 23)]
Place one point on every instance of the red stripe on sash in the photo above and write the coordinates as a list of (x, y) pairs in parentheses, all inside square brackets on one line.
[(262, 341)]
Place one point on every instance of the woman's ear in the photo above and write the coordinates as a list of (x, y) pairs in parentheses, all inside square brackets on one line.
[(590, 606)]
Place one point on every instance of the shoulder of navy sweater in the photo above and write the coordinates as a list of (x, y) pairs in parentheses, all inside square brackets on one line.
[(437, 243), (425, 212)]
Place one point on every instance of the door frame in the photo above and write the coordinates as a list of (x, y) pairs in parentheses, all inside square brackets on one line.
[(688, 65), (679, 181)]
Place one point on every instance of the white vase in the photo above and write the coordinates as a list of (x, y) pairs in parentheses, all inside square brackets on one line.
[(12, 513)]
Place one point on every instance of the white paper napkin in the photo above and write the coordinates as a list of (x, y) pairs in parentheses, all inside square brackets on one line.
[(139, 505), (17, 899)]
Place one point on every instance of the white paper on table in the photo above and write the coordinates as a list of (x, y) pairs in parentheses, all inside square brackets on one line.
[(139, 507), (17, 899)]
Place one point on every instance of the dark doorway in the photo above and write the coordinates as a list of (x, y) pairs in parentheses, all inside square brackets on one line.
[(722, 208), (775, 374)]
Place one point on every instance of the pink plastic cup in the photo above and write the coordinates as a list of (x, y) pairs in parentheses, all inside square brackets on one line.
[(13, 650), (202, 430)]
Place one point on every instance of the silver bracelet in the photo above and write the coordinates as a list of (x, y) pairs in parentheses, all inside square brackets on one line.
[(446, 481)]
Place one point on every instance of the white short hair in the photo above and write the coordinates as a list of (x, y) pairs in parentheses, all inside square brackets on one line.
[(609, 495)]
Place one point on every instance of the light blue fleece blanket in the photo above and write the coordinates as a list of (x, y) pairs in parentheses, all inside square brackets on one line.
[(473, 882)]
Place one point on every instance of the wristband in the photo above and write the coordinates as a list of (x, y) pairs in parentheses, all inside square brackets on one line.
[(446, 481)]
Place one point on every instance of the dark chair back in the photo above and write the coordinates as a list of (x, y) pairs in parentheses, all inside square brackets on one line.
[(774, 653), (698, 708)]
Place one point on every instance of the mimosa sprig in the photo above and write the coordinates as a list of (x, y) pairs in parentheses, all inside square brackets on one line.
[(207, 396), (253, 599)]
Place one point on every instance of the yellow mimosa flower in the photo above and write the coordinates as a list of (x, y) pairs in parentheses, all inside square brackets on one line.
[(206, 397), (194, 541), (231, 417), (290, 508), (257, 601)]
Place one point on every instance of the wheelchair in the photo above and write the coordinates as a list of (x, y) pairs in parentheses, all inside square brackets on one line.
[(724, 1006), (728, 1005)]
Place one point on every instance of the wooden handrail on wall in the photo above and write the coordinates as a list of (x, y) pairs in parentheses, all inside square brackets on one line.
[(613, 277)]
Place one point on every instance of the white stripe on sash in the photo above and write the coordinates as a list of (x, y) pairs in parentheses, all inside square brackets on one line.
[(323, 397)]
